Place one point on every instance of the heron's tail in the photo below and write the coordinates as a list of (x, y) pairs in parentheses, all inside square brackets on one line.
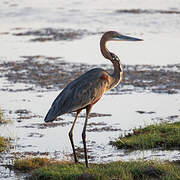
[(51, 115)]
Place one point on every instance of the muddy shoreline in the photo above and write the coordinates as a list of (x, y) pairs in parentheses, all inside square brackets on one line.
[(54, 34), (54, 73)]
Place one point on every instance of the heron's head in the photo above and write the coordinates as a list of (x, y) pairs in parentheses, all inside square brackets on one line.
[(115, 36)]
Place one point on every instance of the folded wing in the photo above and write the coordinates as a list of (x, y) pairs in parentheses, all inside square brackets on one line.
[(85, 90)]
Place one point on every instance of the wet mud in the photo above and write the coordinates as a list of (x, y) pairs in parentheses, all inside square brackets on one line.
[(23, 114), (92, 115), (55, 73), (50, 73), (106, 128), (145, 112), (52, 34), (45, 125), (146, 11), (80, 154), (158, 79)]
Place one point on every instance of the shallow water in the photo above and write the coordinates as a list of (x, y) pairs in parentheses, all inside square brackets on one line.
[(32, 138), (31, 135), (156, 22)]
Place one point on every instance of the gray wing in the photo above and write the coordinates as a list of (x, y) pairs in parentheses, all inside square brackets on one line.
[(85, 90)]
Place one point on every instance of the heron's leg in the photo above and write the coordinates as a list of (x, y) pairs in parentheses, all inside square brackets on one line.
[(88, 110), (71, 137)]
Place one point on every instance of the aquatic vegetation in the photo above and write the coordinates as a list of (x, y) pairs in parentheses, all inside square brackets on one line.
[(48, 169), (163, 136)]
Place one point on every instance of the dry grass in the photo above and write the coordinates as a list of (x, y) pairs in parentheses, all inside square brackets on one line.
[(3, 144), (3, 120)]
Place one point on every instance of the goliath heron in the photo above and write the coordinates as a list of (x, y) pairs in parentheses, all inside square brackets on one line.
[(86, 90)]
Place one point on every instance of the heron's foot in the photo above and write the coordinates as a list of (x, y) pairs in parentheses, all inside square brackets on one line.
[(87, 165), (78, 163), (76, 160)]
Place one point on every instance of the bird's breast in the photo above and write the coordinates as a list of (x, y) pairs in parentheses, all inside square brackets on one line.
[(104, 77)]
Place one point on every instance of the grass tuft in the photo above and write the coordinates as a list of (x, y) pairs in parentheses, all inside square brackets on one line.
[(45, 169), (3, 144), (3, 141), (2, 118), (29, 164), (163, 136)]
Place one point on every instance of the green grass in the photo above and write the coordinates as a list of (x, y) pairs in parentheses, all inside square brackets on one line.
[(163, 136), (29, 164), (44, 169)]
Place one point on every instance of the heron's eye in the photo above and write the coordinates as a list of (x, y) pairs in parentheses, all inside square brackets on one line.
[(114, 57), (115, 36)]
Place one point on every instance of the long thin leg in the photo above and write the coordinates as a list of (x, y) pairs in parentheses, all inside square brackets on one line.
[(88, 110), (71, 137)]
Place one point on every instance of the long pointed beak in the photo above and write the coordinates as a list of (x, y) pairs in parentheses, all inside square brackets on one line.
[(126, 38)]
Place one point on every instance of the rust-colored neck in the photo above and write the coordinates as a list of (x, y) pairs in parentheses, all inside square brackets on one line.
[(117, 73), (105, 52)]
